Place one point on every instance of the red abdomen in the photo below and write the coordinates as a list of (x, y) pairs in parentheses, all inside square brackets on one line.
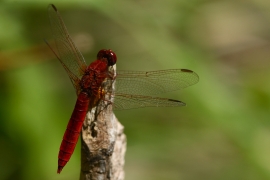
[(73, 130)]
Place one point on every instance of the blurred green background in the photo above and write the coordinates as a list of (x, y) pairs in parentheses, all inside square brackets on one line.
[(223, 133)]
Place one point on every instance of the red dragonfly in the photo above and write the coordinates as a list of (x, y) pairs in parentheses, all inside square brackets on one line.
[(133, 89)]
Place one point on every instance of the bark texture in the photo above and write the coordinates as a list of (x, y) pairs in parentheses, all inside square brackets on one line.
[(103, 142)]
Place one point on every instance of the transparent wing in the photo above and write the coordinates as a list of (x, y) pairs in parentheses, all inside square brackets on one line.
[(69, 56), (127, 101), (154, 82)]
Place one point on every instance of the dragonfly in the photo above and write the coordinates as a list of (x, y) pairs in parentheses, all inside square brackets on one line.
[(133, 89)]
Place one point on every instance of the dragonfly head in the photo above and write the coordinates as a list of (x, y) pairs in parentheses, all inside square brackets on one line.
[(109, 55)]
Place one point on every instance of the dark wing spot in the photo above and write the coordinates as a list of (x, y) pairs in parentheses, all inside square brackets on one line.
[(186, 70), (180, 102), (54, 7)]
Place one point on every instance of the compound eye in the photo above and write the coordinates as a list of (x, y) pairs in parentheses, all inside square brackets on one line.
[(111, 58), (109, 55), (101, 54)]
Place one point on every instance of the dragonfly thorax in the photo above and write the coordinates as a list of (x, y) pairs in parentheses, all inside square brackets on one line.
[(93, 77)]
